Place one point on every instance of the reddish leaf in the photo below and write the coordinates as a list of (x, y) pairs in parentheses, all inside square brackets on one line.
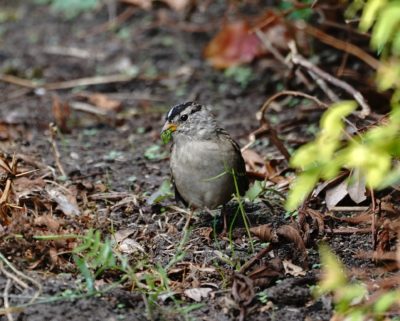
[(237, 44), (233, 45)]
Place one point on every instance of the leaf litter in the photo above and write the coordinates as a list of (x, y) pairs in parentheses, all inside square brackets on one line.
[(40, 204)]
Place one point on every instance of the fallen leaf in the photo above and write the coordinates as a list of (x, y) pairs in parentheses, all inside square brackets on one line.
[(242, 289), (105, 103), (61, 113), (264, 233), (47, 220), (65, 200), (129, 246), (197, 294), (254, 162), (23, 186), (236, 43), (177, 5), (233, 45), (335, 194), (293, 269), (144, 4), (120, 235), (356, 187)]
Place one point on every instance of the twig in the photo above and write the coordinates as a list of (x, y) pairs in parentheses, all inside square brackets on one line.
[(271, 49), (24, 276), (18, 81), (97, 80), (349, 208), (125, 15), (5, 299), (254, 259), (87, 108), (343, 45), (13, 277), (88, 81), (374, 230), (349, 230), (311, 68), (72, 52), (56, 152), (266, 127)]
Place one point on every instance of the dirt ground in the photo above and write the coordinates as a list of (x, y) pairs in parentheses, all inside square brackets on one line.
[(120, 151)]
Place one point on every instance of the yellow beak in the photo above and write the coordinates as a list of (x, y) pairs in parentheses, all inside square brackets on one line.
[(169, 126)]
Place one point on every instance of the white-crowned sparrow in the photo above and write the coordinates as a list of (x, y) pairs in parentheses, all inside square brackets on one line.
[(204, 158)]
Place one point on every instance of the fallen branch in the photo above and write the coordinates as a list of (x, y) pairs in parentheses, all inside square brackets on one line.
[(88, 81), (297, 59), (342, 45)]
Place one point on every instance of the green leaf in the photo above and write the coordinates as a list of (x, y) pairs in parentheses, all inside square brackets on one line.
[(385, 301), (85, 271), (331, 121), (254, 191), (386, 26), (302, 186), (166, 135), (333, 274), (154, 152), (162, 193), (370, 12)]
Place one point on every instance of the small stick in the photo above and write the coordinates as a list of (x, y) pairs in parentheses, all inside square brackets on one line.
[(344, 46), (88, 81), (5, 299), (349, 208), (24, 276), (253, 260), (56, 152), (349, 230), (11, 276), (268, 45), (311, 68)]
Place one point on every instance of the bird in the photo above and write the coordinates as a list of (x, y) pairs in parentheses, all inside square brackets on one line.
[(206, 164)]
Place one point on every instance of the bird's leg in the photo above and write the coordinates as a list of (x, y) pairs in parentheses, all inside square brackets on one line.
[(188, 219)]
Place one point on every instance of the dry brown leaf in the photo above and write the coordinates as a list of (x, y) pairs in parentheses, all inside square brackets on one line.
[(23, 186), (61, 113), (120, 235), (49, 221), (273, 268), (53, 256), (318, 218), (129, 246), (177, 5), (104, 102), (65, 200), (144, 4), (293, 269), (242, 289), (264, 233), (291, 234), (254, 162), (197, 294)]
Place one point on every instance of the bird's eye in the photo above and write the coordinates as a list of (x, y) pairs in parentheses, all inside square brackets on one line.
[(184, 117)]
